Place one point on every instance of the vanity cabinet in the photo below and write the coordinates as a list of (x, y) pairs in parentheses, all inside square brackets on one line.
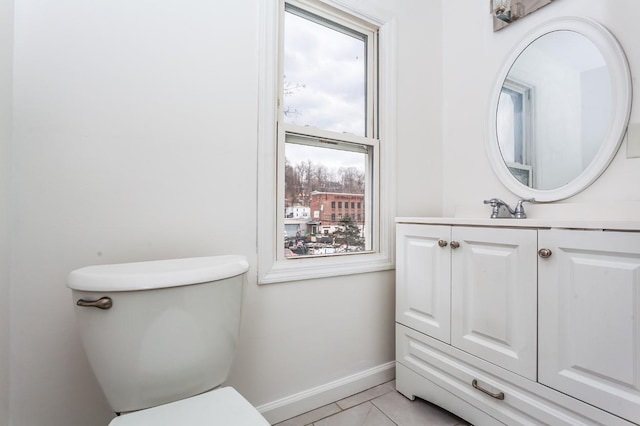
[(474, 288), (492, 331)]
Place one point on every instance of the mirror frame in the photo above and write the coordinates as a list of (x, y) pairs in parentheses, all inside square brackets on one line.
[(621, 90)]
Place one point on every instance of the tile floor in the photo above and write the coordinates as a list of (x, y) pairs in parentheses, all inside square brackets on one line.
[(379, 406)]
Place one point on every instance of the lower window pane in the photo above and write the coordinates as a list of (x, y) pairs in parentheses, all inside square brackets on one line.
[(326, 197)]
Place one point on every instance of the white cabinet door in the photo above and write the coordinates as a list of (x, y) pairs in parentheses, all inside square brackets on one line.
[(493, 296), (423, 291), (589, 310)]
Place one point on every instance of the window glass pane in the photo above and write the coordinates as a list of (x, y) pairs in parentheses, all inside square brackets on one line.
[(320, 178), (324, 76), (507, 118)]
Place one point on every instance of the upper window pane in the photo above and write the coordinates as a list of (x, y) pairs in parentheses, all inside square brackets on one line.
[(324, 74)]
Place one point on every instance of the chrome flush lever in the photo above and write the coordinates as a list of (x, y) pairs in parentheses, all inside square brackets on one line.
[(102, 303)]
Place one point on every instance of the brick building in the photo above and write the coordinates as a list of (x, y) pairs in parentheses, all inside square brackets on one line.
[(329, 208)]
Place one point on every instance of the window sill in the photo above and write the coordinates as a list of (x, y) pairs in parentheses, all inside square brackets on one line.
[(324, 267)]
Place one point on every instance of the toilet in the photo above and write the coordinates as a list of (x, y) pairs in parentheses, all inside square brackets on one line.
[(161, 336)]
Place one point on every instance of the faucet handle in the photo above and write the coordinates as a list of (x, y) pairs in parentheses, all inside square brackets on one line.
[(525, 200), (499, 208), (519, 210), (494, 202)]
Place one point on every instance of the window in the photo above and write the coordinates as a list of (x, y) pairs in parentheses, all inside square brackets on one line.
[(331, 134), (328, 121)]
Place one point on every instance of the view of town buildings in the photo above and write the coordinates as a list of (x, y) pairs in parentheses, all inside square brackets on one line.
[(321, 222)]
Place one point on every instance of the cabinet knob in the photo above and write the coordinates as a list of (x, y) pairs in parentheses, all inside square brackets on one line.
[(455, 244), (442, 243), (544, 253)]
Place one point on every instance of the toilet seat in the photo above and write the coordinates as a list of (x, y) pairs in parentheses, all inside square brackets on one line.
[(219, 407)]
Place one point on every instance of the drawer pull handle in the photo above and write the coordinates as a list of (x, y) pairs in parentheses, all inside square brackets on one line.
[(499, 395)]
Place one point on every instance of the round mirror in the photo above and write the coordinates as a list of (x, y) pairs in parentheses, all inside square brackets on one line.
[(559, 109)]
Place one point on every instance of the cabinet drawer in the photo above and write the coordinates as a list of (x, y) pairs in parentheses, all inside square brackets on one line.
[(503, 395)]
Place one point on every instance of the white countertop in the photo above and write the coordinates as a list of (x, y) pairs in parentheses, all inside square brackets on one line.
[(546, 223), (604, 216)]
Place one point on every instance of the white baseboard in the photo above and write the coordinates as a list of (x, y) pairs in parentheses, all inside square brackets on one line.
[(313, 398)]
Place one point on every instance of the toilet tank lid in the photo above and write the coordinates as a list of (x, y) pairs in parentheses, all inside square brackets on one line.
[(157, 274)]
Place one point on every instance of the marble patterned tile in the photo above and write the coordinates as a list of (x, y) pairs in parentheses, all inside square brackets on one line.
[(311, 416), (405, 412), (365, 414), (367, 395)]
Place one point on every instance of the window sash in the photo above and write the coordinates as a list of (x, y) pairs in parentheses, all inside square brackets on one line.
[(347, 24), (314, 137)]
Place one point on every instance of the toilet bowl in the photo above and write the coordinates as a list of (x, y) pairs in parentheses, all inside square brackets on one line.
[(161, 336)]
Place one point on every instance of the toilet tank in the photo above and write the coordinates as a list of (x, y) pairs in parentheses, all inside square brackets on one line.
[(162, 330)]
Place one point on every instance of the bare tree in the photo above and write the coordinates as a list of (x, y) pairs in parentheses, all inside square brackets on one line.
[(305, 177), (351, 180), (290, 89)]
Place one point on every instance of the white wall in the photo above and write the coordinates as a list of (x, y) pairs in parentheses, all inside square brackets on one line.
[(135, 127), (6, 68), (472, 56), (420, 114)]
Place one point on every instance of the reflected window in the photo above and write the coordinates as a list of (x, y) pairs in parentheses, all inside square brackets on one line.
[(514, 124)]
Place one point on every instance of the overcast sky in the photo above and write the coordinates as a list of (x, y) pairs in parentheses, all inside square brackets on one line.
[(325, 74)]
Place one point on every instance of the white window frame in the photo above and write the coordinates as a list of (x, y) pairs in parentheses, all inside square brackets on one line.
[(272, 266), (528, 164)]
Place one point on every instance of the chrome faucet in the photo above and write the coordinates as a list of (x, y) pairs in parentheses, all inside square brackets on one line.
[(502, 209)]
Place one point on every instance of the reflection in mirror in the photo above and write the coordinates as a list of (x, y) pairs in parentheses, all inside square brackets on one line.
[(559, 109), (514, 121), (554, 110)]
